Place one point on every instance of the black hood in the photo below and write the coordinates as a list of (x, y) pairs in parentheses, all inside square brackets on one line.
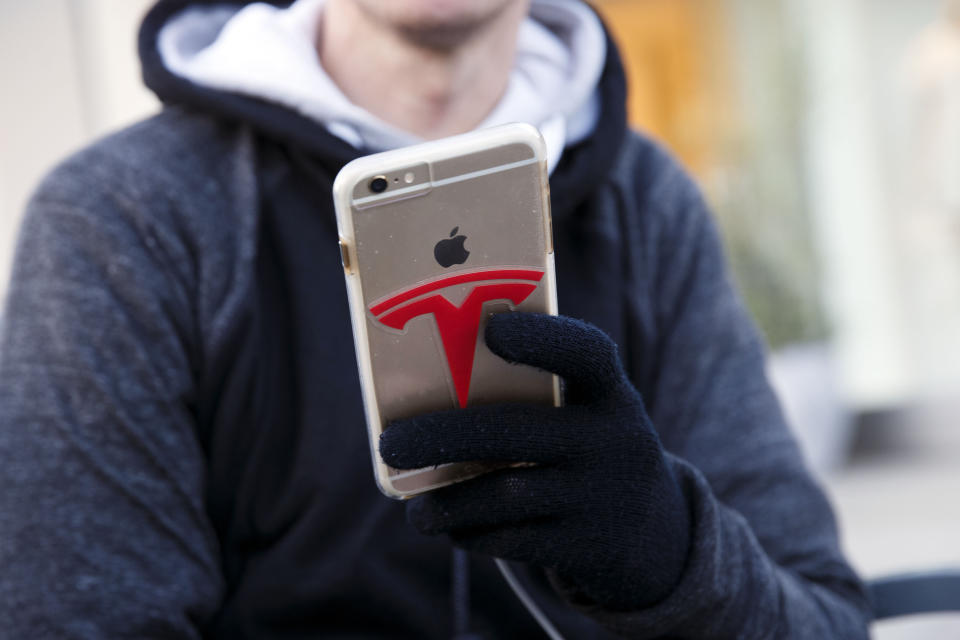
[(582, 167)]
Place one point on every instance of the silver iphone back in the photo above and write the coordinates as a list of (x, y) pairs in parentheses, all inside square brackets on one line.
[(435, 238)]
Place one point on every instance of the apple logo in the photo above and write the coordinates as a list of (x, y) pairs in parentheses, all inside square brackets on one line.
[(451, 251)]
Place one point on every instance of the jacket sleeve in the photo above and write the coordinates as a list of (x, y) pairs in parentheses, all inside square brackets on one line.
[(765, 560), (103, 532)]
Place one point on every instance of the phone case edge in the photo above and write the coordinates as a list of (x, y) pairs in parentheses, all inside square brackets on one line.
[(343, 186)]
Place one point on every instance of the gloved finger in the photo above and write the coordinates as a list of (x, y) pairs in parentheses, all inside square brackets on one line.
[(582, 354), (501, 498), (495, 433)]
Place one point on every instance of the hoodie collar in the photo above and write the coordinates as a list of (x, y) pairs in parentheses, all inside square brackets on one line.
[(276, 114), (553, 84)]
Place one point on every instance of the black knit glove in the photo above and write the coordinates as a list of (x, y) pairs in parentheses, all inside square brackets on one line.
[(601, 506)]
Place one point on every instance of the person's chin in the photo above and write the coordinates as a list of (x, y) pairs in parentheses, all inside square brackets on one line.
[(438, 23)]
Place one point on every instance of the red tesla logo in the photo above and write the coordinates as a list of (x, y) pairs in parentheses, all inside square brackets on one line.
[(458, 325)]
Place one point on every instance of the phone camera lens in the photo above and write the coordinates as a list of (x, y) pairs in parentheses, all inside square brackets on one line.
[(378, 184)]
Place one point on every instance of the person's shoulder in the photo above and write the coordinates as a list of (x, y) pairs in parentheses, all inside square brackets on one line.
[(177, 188), (179, 180), (661, 197), (171, 130), (652, 176), (157, 159)]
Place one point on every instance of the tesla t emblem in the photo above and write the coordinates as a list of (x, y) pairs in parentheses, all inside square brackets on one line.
[(458, 325)]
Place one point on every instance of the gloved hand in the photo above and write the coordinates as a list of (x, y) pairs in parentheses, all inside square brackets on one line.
[(600, 507)]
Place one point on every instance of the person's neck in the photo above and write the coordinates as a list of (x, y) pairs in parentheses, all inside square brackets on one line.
[(430, 92)]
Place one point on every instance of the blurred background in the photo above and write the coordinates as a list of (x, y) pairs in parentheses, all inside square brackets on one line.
[(826, 135)]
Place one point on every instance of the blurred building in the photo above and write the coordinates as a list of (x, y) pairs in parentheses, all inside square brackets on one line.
[(68, 73), (795, 115)]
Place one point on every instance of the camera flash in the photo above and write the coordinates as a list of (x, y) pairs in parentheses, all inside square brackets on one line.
[(408, 177)]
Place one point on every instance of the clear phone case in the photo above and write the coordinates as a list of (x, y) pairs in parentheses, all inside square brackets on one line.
[(435, 238)]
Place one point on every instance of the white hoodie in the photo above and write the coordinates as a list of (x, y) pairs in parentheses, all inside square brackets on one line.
[(270, 53)]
